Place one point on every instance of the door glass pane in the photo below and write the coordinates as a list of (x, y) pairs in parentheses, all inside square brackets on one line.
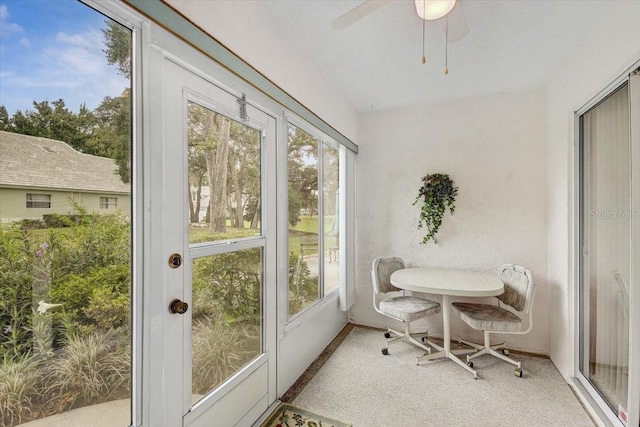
[(303, 219), (606, 237), (331, 196), (65, 257), (226, 316), (224, 176)]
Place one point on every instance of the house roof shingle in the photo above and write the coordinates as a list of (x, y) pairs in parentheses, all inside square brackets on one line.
[(34, 162)]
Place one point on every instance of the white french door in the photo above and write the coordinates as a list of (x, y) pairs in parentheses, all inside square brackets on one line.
[(213, 267)]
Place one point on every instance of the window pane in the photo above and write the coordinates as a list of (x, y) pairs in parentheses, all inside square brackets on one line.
[(331, 196), (65, 270), (606, 268), (303, 219), (226, 316), (108, 202), (40, 201), (224, 176)]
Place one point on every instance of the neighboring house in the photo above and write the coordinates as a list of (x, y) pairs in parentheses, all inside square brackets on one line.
[(40, 176)]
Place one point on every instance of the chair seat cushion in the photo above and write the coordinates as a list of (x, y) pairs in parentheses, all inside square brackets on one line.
[(408, 308), (487, 317)]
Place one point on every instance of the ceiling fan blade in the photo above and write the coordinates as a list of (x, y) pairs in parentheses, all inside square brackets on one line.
[(357, 13), (458, 28)]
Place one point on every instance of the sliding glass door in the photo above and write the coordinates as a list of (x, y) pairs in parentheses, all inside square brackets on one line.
[(607, 238)]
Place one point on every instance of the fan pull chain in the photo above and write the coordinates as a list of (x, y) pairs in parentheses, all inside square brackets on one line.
[(424, 58), (446, 45)]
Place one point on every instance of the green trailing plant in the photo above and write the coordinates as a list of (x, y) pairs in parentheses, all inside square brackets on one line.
[(437, 193)]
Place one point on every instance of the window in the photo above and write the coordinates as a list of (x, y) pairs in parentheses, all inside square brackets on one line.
[(108, 203), (314, 224), (38, 201)]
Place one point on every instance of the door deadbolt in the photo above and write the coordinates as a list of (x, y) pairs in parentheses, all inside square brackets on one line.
[(175, 260), (178, 307)]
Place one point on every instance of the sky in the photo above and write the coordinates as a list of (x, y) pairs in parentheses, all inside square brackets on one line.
[(52, 49)]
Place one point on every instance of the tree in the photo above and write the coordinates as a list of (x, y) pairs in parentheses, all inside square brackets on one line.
[(55, 121), (217, 173), (112, 135), (117, 41), (4, 118), (303, 173), (209, 134), (244, 172)]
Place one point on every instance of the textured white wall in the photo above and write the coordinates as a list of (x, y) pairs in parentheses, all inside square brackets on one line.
[(247, 29), (494, 148), (585, 72)]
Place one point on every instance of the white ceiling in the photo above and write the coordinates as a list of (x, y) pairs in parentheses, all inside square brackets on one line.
[(511, 46)]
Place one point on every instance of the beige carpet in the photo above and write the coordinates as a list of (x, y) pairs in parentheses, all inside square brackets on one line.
[(357, 383)]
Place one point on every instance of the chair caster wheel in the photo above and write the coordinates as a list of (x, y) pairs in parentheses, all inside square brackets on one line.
[(470, 364), (518, 372), (459, 345), (385, 351), (505, 351), (424, 339), (387, 335)]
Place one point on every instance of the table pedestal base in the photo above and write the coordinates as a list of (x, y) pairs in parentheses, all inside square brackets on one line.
[(452, 355), (446, 350)]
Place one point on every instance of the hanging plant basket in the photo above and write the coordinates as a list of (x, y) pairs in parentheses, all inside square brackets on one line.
[(437, 193)]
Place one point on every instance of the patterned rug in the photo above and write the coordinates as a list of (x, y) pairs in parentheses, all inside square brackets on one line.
[(287, 415)]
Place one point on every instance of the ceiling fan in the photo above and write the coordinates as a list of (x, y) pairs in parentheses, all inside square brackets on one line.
[(447, 12)]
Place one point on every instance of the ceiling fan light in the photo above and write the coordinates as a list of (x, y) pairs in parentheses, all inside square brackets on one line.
[(433, 9)]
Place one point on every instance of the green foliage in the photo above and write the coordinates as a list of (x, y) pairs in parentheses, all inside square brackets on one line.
[(439, 193), (4, 118), (19, 385), (110, 307), (16, 296), (101, 240), (220, 349), (50, 120), (61, 220), (31, 224), (99, 297), (233, 280), (302, 173), (112, 135), (303, 289), (94, 368), (117, 41)]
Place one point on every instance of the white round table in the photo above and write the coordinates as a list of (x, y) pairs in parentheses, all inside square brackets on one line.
[(447, 282)]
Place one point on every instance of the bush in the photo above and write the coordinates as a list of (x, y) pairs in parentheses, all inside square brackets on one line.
[(19, 382), (86, 297), (16, 296), (31, 224), (90, 369), (219, 350), (233, 280), (62, 221), (303, 289)]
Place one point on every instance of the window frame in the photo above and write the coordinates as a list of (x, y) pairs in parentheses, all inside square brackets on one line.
[(106, 202), (323, 139), (30, 200)]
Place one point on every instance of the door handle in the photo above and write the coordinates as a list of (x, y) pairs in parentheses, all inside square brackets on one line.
[(178, 307)]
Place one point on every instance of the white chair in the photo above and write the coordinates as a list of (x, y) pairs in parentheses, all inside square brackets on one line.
[(519, 291), (404, 308)]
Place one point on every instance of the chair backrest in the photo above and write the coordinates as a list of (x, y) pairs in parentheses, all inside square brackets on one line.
[(518, 287), (381, 269)]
